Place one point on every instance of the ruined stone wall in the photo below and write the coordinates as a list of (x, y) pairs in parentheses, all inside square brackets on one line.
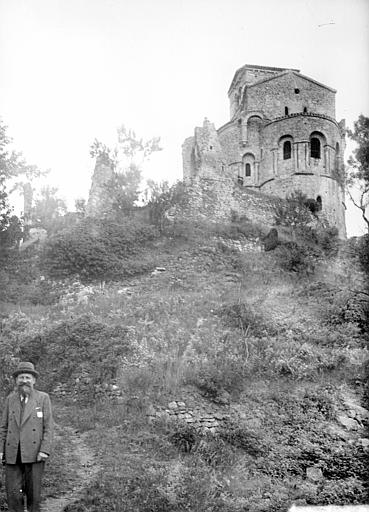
[(99, 199), (217, 200)]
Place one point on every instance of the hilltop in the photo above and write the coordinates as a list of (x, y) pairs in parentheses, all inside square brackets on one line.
[(214, 376)]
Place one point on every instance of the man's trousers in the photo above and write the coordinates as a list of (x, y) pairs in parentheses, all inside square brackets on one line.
[(23, 479)]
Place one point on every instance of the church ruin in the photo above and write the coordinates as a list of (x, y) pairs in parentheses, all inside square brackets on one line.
[(282, 136)]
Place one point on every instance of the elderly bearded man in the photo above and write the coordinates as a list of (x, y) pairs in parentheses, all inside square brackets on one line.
[(26, 432)]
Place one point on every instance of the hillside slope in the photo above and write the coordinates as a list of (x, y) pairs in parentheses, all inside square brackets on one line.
[(219, 382)]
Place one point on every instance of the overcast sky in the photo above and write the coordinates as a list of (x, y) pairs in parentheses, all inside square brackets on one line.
[(74, 70)]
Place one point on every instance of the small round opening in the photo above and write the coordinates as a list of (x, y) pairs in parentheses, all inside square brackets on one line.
[(297, 91)]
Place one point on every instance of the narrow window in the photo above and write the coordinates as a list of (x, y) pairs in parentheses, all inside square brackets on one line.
[(337, 158), (315, 148), (287, 150), (210, 147), (319, 203), (286, 111), (248, 170), (305, 110)]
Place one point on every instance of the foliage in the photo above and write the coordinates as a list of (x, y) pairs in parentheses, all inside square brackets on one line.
[(358, 172), (245, 438), (221, 370), (292, 211), (206, 322), (295, 257), (97, 249), (161, 198), (80, 206), (83, 349), (126, 160), (10, 225), (47, 210), (243, 316)]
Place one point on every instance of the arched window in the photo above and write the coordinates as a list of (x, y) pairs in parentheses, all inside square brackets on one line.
[(305, 110), (319, 203), (315, 147), (286, 111), (248, 166), (286, 150)]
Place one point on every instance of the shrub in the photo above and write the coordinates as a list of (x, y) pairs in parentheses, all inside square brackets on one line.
[(241, 437), (184, 436), (82, 348), (219, 369), (243, 316), (294, 257), (292, 211), (215, 450), (97, 249)]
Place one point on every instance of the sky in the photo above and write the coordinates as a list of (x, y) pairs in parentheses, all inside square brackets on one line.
[(75, 70)]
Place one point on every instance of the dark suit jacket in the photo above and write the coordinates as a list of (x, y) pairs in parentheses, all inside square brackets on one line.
[(34, 432)]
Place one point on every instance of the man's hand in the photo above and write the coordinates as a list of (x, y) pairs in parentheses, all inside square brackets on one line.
[(41, 456)]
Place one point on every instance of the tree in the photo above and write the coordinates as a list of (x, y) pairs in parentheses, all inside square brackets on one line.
[(126, 159), (161, 197), (358, 171), (10, 225), (15, 174), (48, 209)]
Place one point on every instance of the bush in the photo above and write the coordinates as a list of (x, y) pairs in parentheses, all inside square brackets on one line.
[(241, 437), (219, 369), (243, 316), (97, 249), (292, 211), (81, 348), (294, 257)]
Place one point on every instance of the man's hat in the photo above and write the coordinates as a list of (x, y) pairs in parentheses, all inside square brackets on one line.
[(25, 367)]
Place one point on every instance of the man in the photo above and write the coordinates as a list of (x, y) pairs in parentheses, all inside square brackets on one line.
[(26, 432)]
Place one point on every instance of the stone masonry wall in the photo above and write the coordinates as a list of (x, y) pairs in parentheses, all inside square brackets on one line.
[(274, 95), (217, 199), (99, 199)]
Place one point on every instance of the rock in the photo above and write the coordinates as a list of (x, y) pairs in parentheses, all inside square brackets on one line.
[(314, 474), (348, 423), (355, 410), (224, 398), (364, 443), (173, 405), (150, 410), (270, 241)]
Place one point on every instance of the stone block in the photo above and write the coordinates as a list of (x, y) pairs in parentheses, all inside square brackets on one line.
[(314, 474), (348, 423)]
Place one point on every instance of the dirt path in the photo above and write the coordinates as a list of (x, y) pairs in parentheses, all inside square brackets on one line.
[(85, 466)]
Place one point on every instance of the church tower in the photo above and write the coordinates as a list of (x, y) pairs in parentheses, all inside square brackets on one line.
[(282, 136)]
